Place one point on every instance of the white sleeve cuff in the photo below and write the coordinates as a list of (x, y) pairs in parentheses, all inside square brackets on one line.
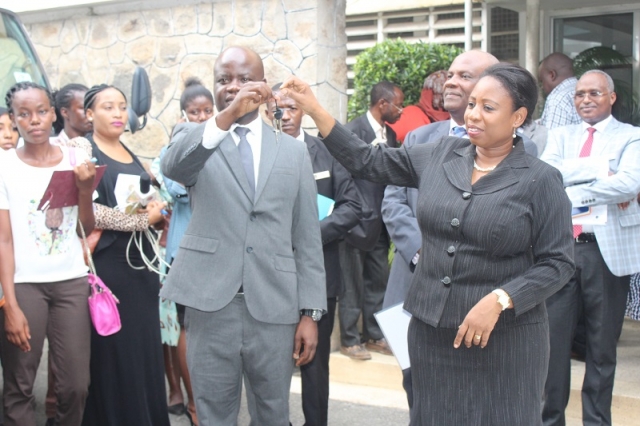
[(213, 136)]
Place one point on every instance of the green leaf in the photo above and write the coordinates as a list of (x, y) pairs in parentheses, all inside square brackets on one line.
[(402, 63)]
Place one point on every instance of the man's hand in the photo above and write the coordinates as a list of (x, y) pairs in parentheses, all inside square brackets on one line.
[(250, 96), (479, 322), (17, 327), (306, 340)]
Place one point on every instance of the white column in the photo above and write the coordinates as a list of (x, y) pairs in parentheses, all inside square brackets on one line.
[(532, 44), (468, 25)]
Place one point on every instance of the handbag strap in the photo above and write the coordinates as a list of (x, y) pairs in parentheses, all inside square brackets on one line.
[(85, 245)]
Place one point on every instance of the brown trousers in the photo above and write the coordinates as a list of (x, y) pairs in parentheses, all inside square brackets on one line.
[(59, 312)]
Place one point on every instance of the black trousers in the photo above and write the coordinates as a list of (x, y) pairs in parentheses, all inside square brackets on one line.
[(365, 276), (602, 297), (315, 375)]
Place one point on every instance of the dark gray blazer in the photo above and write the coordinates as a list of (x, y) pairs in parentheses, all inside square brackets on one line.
[(399, 215), (338, 185), (270, 244), (366, 234), (510, 230)]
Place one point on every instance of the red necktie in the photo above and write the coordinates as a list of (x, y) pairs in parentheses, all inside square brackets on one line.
[(584, 152)]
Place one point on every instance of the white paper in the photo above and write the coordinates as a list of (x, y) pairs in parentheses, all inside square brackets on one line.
[(394, 323), (128, 195), (594, 215)]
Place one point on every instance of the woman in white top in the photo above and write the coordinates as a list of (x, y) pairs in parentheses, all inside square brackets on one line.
[(42, 270)]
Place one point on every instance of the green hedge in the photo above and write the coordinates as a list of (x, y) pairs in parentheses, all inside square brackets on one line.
[(402, 63)]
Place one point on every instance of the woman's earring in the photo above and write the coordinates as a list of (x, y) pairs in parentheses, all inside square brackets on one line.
[(90, 118), (514, 133)]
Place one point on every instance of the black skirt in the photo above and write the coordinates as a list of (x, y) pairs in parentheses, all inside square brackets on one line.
[(500, 385), (127, 371)]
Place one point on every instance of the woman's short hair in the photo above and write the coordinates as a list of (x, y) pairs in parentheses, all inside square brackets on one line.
[(193, 88), (92, 93), (520, 85)]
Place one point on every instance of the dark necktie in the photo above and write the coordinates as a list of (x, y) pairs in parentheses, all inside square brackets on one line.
[(584, 152), (459, 131), (246, 156)]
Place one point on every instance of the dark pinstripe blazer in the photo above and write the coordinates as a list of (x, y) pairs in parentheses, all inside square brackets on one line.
[(510, 230)]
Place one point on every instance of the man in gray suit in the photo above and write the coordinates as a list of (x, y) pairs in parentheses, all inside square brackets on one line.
[(605, 254), (399, 203), (250, 266)]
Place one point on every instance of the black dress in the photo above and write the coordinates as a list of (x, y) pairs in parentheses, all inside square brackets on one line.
[(127, 371)]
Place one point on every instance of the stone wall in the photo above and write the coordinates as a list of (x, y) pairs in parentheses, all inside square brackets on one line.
[(302, 37)]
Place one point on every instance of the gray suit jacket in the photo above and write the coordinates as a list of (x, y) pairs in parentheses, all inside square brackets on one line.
[(619, 238), (269, 245), (399, 215)]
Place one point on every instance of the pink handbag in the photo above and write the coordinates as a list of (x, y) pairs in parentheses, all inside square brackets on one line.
[(103, 304), (103, 307)]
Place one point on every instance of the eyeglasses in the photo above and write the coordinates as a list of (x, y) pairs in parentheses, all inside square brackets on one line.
[(400, 109), (594, 94)]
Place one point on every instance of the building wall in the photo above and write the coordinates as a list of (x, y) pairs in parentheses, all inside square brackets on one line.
[(301, 37)]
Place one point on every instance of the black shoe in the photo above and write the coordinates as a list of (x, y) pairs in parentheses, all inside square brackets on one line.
[(176, 409)]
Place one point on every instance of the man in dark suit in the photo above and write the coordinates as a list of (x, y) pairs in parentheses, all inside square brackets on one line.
[(334, 182), (399, 204), (364, 254), (249, 269)]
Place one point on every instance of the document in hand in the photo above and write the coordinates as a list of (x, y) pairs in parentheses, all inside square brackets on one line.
[(62, 190), (128, 194), (394, 323), (325, 206)]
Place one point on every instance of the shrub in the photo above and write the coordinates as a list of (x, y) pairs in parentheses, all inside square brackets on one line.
[(399, 62)]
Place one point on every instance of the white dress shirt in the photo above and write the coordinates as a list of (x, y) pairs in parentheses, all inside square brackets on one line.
[(213, 136), (595, 147), (380, 131)]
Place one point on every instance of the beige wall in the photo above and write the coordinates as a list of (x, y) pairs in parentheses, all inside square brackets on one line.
[(303, 37)]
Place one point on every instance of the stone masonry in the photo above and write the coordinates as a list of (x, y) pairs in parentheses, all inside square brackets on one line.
[(301, 37)]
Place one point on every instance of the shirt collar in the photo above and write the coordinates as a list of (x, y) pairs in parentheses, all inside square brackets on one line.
[(375, 125), (567, 84), (255, 126), (452, 124), (599, 126), (300, 136)]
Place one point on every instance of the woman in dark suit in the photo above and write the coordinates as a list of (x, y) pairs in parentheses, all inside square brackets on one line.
[(496, 242)]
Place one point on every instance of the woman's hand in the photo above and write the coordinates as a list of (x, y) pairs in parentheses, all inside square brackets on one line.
[(302, 94), (85, 175), (17, 327), (479, 322), (154, 211)]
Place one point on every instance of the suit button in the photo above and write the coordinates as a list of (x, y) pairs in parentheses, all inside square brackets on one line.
[(455, 222), (252, 217), (446, 281), (249, 249), (466, 195), (451, 250)]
